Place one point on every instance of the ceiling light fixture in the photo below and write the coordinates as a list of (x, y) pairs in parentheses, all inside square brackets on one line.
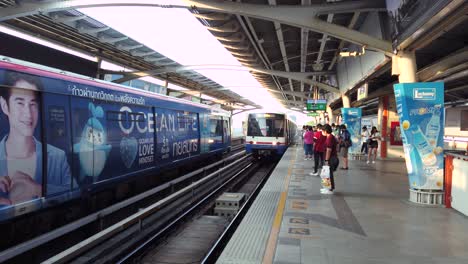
[(353, 54)]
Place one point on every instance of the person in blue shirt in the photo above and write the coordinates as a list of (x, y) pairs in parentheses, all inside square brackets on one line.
[(21, 154)]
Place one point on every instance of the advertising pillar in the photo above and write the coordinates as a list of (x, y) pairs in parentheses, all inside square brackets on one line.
[(420, 108), (352, 119)]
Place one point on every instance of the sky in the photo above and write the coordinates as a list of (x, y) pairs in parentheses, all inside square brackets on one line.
[(178, 35)]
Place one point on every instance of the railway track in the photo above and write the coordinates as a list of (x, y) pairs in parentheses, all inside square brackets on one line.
[(44, 246)]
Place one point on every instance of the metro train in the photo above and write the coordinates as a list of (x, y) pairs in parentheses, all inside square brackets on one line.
[(63, 134), (269, 133)]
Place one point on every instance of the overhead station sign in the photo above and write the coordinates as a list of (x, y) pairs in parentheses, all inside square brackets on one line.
[(362, 92), (313, 114), (316, 105)]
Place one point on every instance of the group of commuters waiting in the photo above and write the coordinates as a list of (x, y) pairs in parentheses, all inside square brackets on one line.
[(323, 143)]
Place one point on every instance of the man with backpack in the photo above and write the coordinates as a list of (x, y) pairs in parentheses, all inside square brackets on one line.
[(345, 143)]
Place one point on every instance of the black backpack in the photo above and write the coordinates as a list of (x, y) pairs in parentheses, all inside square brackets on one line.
[(347, 143)]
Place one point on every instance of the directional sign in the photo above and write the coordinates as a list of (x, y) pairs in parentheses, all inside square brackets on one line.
[(299, 220), (299, 231), (318, 104), (313, 114)]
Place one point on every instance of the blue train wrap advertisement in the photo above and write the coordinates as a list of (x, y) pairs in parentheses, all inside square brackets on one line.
[(352, 119), (420, 107), (54, 144)]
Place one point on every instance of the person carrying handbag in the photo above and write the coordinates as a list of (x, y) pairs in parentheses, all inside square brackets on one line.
[(331, 158)]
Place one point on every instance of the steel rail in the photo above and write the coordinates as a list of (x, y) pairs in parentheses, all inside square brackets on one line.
[(212, 255), (136, 218), (181, 217)]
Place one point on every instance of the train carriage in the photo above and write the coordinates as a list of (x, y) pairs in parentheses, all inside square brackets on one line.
[(62, 134), (269, 133)]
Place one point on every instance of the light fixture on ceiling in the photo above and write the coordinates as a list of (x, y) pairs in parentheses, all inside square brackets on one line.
[(353, 54), (317, 66)]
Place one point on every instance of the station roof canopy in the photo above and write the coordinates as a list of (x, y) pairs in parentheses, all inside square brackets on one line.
[(285, 54)]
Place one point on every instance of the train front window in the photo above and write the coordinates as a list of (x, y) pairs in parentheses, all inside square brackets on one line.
[(265, 125)]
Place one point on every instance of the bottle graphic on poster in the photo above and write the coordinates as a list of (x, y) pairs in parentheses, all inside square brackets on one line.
[(433, 127), (408, 148), (423, 147)]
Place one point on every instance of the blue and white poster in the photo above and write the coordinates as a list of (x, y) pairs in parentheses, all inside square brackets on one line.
[(420, 107), (352, 120)]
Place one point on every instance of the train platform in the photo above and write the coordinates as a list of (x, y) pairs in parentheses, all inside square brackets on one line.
[(367, 220)]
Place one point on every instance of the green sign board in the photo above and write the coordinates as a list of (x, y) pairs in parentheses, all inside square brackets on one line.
[(313, 114), (318, 104)]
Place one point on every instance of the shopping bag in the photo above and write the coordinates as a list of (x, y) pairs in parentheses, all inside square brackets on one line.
[(326, 183), (325, 173)]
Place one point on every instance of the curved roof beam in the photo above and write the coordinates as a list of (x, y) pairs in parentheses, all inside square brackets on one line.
[(299, 76), (299, 16)]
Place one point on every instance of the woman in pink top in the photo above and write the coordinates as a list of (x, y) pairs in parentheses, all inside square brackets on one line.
[(308, 142)]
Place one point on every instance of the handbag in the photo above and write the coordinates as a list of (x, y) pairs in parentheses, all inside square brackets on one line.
[(325, 175)]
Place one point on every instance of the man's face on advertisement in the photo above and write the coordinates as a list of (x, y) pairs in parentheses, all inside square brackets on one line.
[(22, 109)]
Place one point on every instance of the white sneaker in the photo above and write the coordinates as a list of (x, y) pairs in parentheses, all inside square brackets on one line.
[(368, 162), (327, 191), (323, 189), (313, 174), (373, 162)]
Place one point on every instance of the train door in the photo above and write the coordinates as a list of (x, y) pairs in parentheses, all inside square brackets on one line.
[(88, 133), (226, 132), (57, 135)]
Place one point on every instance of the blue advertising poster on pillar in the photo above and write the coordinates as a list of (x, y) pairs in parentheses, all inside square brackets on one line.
[(352, 119), (420, 107)]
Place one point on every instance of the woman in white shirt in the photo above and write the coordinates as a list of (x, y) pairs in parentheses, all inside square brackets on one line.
[(373, 144), (364, 137)]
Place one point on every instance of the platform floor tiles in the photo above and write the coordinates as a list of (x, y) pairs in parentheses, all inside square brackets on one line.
[(367, 220)]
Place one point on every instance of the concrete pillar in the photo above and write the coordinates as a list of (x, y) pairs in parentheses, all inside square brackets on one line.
[(98, 71), (404, 65), (330, 115), (382, 120), (346, 103)]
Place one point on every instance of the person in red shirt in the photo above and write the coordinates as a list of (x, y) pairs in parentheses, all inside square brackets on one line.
[(331, 157), (319, 149)]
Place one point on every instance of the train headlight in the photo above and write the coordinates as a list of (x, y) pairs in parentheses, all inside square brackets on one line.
[(210, 140), (255, 142), (276, 143)]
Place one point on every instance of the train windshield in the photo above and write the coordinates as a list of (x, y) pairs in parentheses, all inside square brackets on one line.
[(265, 125)]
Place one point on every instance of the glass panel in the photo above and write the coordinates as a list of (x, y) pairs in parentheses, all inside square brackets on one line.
[(177, 134), (265, 125), (111, 140)]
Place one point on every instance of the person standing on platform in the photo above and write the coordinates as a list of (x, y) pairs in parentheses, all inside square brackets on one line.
[(331, 157), (373, 145), (364, 138), (345, 144), (308, 143), (319, 149)]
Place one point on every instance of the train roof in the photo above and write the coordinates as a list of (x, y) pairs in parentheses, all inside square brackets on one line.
[(37, 69)]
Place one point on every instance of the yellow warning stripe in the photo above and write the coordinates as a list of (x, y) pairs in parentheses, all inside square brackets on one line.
[(271, 245)]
